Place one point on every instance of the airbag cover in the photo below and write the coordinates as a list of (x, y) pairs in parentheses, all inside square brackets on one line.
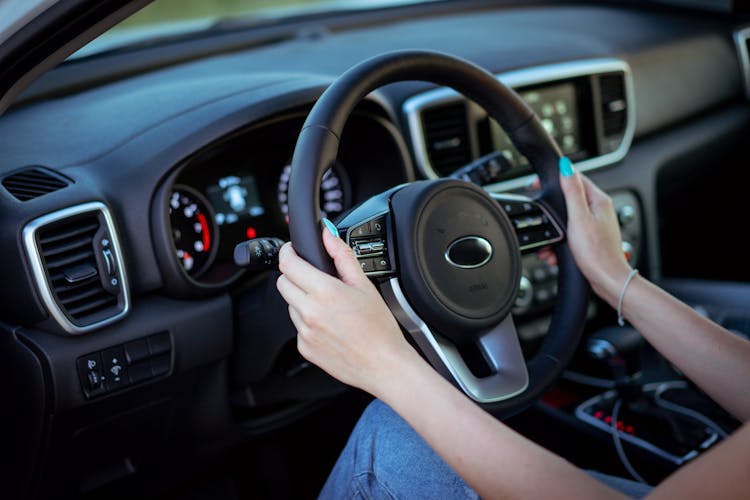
[(458, 255)]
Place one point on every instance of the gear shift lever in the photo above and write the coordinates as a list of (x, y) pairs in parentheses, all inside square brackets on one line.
[(621, 349)]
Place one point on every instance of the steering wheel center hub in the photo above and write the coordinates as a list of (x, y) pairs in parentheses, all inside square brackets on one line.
[(459, 257)]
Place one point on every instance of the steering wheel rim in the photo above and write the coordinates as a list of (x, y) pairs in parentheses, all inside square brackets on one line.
[(317, 148)]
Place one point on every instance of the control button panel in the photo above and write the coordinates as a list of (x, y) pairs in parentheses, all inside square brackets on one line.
[(370, 245), (534, 227), (123, 365)]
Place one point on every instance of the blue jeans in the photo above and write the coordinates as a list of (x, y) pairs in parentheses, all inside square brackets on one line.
[(385, 458)]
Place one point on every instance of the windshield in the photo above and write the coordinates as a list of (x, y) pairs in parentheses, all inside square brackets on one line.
[(167, 18)]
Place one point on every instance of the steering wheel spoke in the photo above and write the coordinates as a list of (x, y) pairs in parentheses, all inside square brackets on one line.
[(498, 346), (532, 221)]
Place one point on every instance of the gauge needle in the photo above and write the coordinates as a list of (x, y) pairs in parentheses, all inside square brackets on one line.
[(205, 232)]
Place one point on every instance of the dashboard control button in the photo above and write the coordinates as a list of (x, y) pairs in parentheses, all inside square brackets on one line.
[(526, 239), (542, 295), (625, 214), (381, 263), (115, 374), (90, 373), (140, 372), (524, 222), (513, 208), (136, 351), (159, 343), (539, 274), (362, 231), (161, 365), (369, 248), (367, 265), (110, 262), (377, 226), (525, 296)]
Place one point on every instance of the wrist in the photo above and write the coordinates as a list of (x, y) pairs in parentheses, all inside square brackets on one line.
[(397, 375), (609, 285)]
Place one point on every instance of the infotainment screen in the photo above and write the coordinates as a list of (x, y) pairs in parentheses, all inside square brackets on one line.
[(556, 107), (235, 198)]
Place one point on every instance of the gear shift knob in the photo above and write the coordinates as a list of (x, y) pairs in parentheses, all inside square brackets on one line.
[(621, 349)]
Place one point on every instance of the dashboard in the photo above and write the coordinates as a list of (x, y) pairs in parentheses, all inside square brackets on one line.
[(128, 180)]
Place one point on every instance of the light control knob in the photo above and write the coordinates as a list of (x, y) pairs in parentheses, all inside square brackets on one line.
[(625, 214), (525, 296)]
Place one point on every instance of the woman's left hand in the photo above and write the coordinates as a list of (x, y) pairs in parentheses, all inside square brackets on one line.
[(343, 325)]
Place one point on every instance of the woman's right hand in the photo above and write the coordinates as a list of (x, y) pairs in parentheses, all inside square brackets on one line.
[(594, 235)]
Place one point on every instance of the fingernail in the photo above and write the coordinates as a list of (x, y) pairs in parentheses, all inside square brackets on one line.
[(329, 225), (566, 167)]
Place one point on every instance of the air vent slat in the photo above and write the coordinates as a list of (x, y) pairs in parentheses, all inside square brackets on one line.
[(67, 246), (32, 183), (89, 227), (41, 182), (70, 259), (92, 306), (68, 298)]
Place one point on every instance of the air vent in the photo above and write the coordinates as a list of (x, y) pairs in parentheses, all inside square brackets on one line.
[(446, 136), (614, 108), (33, 182), (742, 39), (77, 265)]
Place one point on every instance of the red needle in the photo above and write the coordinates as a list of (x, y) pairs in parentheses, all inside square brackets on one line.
[(204, 232)]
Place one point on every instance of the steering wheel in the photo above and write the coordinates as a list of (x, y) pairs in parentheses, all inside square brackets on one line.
[(445, 253)]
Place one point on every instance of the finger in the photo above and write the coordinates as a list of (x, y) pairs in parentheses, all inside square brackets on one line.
[(300, 272), (292, 294), (595, 196), (346, 263), (575, 195)]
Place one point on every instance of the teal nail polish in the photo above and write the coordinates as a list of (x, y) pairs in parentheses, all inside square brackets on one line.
[(566, 167), (329, 225)]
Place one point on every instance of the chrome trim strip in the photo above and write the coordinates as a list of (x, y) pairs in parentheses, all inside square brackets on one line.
[(740, 39), (519, 78), (35, 259), (500, 345)]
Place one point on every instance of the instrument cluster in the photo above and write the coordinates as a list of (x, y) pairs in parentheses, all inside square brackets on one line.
[(239, 189)]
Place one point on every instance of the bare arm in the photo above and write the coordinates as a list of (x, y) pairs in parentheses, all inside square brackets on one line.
[(711, 356)]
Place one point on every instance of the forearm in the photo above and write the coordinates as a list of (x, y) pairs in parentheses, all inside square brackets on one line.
[(711, 356), (489, 456)]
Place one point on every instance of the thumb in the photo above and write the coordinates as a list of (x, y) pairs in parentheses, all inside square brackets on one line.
[(346, 263), (573, 189)]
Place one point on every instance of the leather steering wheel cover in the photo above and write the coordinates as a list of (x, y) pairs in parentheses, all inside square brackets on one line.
[(318, 144)]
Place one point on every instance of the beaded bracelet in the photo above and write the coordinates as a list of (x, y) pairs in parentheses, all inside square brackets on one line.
[(620, 320)]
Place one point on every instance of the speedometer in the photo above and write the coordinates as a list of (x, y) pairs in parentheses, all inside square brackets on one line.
[(334, 191), (193, 229)]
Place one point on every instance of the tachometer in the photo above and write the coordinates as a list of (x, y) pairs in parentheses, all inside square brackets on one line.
[(193, 229), (334, 191)]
